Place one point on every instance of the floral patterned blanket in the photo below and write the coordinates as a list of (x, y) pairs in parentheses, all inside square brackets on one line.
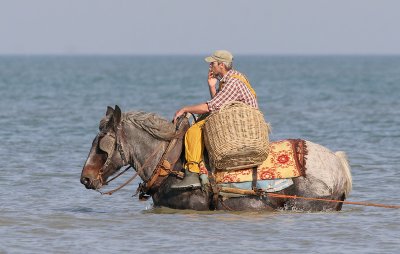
[(286, 159)]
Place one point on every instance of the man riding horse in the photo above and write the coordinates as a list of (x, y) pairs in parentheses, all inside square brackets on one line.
[(233, 86), (143, 140)]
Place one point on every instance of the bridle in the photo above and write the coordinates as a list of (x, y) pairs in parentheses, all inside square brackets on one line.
[(109, 143), (110, 149)]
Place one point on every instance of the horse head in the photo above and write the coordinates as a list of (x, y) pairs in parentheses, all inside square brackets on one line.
[(135, 138), (106, 155)]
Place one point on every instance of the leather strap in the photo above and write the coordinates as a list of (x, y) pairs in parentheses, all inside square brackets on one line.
[(163, 168), (254, 178)]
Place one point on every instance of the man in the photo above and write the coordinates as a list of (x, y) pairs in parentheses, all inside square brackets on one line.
[(233, 86)]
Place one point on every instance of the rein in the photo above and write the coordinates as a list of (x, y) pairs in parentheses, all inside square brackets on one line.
[(120, 187), (121, 173)]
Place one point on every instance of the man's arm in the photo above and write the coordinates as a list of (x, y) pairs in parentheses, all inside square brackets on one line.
[(201, 108)]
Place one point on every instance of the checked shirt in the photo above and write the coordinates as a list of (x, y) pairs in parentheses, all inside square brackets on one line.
[(233, 90)]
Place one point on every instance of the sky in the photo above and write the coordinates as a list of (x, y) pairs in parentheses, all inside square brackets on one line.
[(256, 27)]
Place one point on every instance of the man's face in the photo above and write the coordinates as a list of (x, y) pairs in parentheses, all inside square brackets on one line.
[(215, 68)]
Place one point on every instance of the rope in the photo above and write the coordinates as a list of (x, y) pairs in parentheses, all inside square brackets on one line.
[(252, 192), (115, 177), (120, 187), (334, 201)]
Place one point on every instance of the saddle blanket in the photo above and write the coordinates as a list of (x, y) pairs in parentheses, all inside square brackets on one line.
[(286, 159)]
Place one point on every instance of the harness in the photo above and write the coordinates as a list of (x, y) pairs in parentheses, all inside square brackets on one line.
[(163, 169)]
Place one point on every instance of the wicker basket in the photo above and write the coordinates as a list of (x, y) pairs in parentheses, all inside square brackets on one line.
[(236, 136)]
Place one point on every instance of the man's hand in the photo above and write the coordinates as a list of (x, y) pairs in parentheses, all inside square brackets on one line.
[(201, 108), (179, 113), (212, 80)]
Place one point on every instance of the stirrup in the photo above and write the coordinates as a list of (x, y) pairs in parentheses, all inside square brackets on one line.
[(190, 181)]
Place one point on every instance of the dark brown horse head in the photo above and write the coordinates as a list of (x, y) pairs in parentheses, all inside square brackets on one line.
[(105, 157)]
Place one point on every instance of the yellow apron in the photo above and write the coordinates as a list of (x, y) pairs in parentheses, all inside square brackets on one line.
[(194, 146)]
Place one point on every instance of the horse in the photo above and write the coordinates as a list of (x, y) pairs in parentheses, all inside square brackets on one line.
[(140, 139)]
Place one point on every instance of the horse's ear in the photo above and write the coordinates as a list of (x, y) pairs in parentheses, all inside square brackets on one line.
[(117, 115), (110, 110)]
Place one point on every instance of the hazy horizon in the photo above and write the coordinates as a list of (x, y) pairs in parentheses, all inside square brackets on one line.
[(178, 27)]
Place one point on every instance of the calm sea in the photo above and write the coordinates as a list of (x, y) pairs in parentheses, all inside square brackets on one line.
[(50, 109)]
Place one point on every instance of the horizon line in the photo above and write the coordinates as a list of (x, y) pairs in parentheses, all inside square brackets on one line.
[(192, 54)]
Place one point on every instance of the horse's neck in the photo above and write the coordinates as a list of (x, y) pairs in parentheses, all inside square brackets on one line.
[(145, 150)]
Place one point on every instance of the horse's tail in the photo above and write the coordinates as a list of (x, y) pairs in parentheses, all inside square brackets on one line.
[(347, 172)]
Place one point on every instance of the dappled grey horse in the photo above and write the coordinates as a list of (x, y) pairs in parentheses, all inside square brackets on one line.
[(140, 139)]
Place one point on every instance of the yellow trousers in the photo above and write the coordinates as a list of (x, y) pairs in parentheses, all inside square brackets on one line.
[(194, 146)]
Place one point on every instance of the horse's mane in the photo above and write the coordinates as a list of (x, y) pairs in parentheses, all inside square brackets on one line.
[(153, 124)]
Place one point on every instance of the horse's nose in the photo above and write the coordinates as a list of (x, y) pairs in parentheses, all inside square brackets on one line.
[(85, 181)]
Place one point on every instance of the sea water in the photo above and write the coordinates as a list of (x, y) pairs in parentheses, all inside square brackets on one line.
[(50, 108)]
